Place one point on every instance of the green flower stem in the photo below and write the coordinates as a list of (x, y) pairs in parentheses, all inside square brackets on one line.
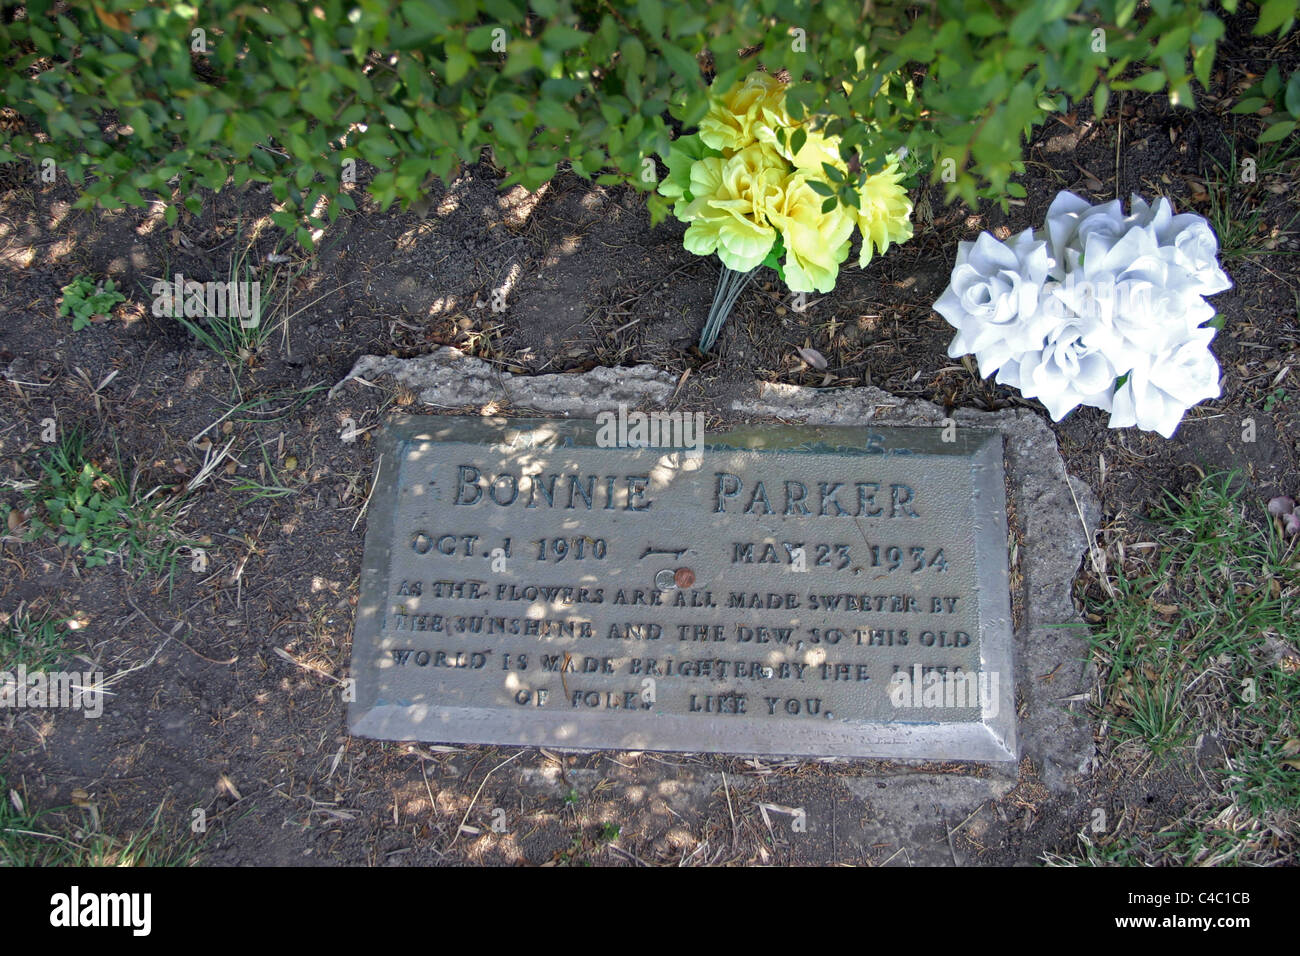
[(730, 284)]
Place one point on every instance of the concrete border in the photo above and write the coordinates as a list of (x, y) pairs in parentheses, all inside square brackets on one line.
[(1049, 510)]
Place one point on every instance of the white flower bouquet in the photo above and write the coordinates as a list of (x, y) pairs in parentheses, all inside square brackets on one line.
[(1096, 308)]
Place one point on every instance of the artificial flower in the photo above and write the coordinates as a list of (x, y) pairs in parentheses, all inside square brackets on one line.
[(1186, 240), (748, 195), (1064, 372), (1195, 249), (815, 242), (756, 102), (1098, 308), (1160, 388), (884, 212), (993, 298), (683, 154), (817, 149), (729, 212), (1150, 306)]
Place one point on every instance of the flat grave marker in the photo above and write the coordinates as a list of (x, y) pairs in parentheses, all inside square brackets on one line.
[(802, 590)]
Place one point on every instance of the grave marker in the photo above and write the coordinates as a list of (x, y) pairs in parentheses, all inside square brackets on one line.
[(800, 590)]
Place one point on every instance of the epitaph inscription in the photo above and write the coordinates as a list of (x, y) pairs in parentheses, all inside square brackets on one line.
[(779, 590)]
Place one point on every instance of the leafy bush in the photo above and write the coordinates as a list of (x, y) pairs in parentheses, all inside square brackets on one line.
[(130, 98), (1283, 98), (85, 300)]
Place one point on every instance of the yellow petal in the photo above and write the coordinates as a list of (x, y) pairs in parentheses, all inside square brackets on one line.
[(815, 242), (730, 124), (884, 213), (729, 212)]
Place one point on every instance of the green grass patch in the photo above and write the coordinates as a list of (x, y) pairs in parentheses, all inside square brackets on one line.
[(103, 516), (1236, 210), (30, 837), (241, 340), (83, 299), (1197, 633), (32, 640)]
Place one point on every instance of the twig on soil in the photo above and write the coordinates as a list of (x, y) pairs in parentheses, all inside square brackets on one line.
[(680, 382), (424, 772), (1093, 550), (210, 462), (627, 855), (343, 381), (474, 799), (373, 485), (172, 637), (901, 849), (727, 790), (281, 652)]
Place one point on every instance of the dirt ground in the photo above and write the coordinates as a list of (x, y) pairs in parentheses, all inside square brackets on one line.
[(228, 700)]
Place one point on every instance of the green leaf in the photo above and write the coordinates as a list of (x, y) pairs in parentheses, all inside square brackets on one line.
[(984, 25), (1273, 14), (797, 140), (1202, 63), (426, 19), (1272, 83), (1100, 100), (398, 116), (1292, 99), (683, 64), (1278, 131), (1252, 105), (503, 10), (829, 204), (1152, 82), (563, 38), (651, 13), (211, 127), (633, 55), (459, 63)]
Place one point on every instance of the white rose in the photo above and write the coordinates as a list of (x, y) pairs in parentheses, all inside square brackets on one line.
[(992, 300), (1186, 240), (1160, 388), (1150, 306), (1062, 218), (1065, 372), (1195, 249), (1105, 223), (1097, 295)]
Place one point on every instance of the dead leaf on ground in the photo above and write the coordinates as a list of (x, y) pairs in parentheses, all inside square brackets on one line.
[(813, 358)]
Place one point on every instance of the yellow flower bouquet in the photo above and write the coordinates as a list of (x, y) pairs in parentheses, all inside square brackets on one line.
[(757, 187)]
